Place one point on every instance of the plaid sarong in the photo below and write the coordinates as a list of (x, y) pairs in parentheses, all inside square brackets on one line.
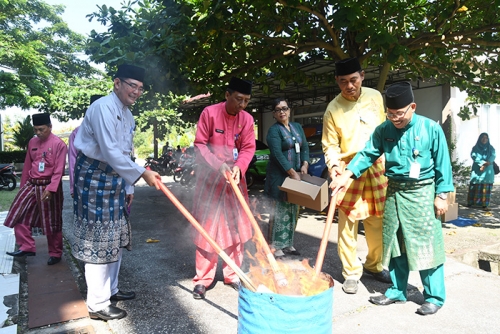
[(365, 196), (28, 208), (479, 194)]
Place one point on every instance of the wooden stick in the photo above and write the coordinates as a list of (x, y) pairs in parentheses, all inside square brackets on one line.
[(245, 280), (326, 231), (278, 275)]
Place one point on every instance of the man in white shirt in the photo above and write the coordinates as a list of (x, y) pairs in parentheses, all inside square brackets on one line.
[(104, 187)]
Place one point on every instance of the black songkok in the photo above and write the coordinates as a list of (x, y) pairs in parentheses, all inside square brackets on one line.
[(240, 85), (94, 98), (347, 66), (130, 72), (399, 95), (40, 119)]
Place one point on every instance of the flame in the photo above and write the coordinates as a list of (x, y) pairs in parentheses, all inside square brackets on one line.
[(300, 276)]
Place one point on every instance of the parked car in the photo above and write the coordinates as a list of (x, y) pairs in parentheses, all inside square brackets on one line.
[(313, 129), (317, 167), (257, 168)]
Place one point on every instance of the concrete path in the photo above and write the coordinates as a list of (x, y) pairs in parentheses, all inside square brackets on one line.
[(161, 273)]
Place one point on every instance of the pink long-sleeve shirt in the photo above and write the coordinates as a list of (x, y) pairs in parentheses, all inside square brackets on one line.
[(218, 133), (52, 152)]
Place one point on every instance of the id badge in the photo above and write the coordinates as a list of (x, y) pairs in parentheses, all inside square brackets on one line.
[(235, 154), (297, 148), (41, 166), (414, 170)]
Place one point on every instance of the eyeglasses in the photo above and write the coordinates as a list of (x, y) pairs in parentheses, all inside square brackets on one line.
[(134, 86), (284, 109), (397, 115)]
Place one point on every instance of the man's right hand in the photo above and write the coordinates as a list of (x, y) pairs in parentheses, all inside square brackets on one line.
[(151, 178), (224, 168), (335, 171), (341, 181)]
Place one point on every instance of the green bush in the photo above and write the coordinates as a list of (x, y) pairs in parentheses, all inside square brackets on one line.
[(12, 157)]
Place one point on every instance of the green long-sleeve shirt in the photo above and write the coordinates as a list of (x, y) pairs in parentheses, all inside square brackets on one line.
[(400, 146)]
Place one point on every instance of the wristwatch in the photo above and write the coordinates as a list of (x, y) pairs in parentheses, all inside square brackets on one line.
[(443, 196)]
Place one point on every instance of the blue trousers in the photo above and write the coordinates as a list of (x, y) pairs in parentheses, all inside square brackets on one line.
[(432, 280)]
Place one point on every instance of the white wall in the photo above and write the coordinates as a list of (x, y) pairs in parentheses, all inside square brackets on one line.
[(429, 102)]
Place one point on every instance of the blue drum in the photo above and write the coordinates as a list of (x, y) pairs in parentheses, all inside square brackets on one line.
[(274, 313)]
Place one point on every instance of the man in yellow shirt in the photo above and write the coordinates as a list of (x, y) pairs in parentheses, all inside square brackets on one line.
[(349, 120)]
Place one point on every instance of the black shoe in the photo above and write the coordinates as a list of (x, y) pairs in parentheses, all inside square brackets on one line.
[(234, 285), (428, 308), (382, 276), (291, 251), (20, 253), (120, 295), (53, 260), (383, 300), (109, 313), (199, 291)]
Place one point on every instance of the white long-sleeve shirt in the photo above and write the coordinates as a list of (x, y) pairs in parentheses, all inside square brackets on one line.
[(106, 134)]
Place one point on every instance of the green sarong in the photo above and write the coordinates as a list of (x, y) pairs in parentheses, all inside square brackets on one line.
[(282, 224), (410, 225)]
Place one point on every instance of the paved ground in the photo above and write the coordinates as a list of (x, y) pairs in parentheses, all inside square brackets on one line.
[(161, 273)]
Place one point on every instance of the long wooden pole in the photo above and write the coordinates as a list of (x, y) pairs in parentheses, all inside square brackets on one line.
[(278, 275), (326, 231), (245, 280)]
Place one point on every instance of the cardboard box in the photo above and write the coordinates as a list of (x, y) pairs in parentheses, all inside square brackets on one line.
[(452, 197), (311, 191), (451, 214)]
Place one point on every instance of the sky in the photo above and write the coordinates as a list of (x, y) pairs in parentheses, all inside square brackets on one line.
[(74, 16), (76, 10)]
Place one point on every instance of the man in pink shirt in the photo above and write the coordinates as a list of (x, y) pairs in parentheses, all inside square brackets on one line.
[(225, 142), (39, 202)]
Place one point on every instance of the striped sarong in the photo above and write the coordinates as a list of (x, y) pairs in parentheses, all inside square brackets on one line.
[(29, 209), (282, 223), (100, 227), (410, 225), (219, 211), (479, 194), (365, 196)]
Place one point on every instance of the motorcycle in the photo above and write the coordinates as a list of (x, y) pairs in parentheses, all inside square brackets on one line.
[(165, 165), (185, 171), (7, 177)]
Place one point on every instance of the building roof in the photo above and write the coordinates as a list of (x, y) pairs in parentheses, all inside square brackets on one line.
[(298, 94)]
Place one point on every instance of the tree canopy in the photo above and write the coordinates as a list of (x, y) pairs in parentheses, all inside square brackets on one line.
[(206, 42), (37, 52)]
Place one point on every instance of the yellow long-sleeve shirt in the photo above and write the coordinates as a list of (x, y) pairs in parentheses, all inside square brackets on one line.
[(347, 125)]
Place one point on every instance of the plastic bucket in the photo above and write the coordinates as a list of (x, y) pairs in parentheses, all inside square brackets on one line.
[(275, 313)]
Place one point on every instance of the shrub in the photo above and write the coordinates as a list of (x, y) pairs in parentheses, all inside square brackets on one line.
[(12, 157)]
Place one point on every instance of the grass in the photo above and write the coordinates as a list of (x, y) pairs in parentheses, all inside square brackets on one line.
[(6, 198)]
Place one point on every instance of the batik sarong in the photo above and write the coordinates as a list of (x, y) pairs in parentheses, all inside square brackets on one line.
[(282, 223), (29, 209), (100, 226), (479, 194), (410, 225)]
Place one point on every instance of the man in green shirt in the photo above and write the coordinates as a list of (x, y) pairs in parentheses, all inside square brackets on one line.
[(419, 171)]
